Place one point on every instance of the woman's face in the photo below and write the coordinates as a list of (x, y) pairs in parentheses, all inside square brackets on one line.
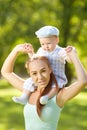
[(40, 73)]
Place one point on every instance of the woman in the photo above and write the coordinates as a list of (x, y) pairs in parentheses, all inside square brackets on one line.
[(37, 116)]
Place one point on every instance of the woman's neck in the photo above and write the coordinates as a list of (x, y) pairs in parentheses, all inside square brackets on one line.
[(40, 90)]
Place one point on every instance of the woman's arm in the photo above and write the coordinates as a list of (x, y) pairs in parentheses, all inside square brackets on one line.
[(72, 90), (8, 66)]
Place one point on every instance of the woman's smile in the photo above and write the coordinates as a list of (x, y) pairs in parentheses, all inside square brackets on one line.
[(42, 82)]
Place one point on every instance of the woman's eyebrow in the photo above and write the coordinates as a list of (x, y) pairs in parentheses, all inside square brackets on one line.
[(43, 68), (32, 71)]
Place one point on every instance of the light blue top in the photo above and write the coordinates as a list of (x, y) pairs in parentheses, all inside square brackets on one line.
[(49, 117)]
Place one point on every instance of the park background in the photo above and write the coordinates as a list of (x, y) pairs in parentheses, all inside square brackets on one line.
[(19, 20)]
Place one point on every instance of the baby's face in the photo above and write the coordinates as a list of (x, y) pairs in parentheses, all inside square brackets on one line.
[(48, 43)]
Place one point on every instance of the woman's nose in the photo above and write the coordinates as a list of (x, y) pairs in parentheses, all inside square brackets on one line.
[(39, 76)]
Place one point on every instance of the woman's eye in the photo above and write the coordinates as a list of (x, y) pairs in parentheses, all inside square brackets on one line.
[(43, 70), (33, 73)]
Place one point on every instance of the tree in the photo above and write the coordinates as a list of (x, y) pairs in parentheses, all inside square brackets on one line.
[(20, 19)]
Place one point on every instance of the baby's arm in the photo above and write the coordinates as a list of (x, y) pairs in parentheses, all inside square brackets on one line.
[(30, 49), (64, 56), (67, 50)]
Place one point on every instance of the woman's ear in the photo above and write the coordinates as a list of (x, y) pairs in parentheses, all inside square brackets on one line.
[(50, 70)]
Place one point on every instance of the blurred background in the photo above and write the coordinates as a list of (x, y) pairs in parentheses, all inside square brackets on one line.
[(19, 20)]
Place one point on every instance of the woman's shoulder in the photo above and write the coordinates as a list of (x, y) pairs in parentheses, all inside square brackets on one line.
[(60, 97), (54, 99)]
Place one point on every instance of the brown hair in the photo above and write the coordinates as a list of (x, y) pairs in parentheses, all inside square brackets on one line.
[(49, 86)]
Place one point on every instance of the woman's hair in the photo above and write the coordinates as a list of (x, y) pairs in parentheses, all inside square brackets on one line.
[(49, 86)]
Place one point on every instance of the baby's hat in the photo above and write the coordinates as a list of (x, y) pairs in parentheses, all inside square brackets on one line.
[(47, 31)]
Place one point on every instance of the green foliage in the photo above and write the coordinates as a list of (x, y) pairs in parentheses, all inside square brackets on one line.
[(74, 115), (20, 19)]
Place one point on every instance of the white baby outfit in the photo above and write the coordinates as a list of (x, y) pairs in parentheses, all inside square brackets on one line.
[(57, 59)]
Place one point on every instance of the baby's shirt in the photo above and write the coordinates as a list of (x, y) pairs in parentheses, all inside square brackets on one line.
[(57, 59)]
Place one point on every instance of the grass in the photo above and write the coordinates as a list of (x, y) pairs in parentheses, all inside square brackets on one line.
[(73, 116)]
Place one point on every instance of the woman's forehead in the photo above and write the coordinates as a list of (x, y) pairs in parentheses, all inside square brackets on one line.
[(38, 64)]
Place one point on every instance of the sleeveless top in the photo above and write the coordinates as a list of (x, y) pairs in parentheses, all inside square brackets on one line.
[(49, 116)]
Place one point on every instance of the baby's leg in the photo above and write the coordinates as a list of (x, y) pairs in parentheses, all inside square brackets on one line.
[(23, 98), (53, 92), (28, 88)]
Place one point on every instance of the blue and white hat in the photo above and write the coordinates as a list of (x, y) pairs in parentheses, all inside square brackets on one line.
[(47, 31)]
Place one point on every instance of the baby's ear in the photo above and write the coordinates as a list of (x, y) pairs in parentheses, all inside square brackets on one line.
[(58, 40)]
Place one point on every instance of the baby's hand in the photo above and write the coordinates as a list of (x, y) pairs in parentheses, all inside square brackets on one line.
[(29, 48), (71, 51), (25, 48), (64, 54)]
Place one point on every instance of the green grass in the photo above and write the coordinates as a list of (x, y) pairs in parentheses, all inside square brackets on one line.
[(73, 116)]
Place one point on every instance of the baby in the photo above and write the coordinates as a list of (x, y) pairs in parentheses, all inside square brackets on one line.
[(49, 38)]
